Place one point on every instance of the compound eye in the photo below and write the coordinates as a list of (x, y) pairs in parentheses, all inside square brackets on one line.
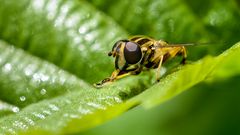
[(132, 53)]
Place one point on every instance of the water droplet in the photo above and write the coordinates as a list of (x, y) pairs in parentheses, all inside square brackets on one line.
[(73, 116), (28, 70), (39, 115), (38, 4), (36, 77), (43, 91), (47, 112), (82, 30), (22, 98), (95, 105), (84, 111), (29, 121), (11, 131), (7, 68), (15, 109), (53, 107)]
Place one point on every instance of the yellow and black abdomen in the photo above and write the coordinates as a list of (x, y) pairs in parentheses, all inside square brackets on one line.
[(154, 56), (142, 40)]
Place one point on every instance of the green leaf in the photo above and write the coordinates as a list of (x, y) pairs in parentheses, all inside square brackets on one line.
[(25, 79), (53, 116), (6, 109), (66, 33), (190, 75), (70, 113), (52, 51)]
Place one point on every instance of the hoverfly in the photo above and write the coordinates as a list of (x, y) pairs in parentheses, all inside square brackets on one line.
[(139, 52)]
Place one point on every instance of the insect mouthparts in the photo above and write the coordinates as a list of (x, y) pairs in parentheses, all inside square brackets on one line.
[(110, 54)]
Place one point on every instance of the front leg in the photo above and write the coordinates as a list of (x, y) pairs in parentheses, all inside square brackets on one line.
[(116, 74), (158, 69)]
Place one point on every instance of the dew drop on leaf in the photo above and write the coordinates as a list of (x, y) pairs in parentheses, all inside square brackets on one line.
[(22, 98), (43, 91), (7, 68), (15, 109)]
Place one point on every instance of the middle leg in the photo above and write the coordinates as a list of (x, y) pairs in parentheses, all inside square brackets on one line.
[(158, 69)]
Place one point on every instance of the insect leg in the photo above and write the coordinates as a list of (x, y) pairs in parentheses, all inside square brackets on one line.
[(158, 69), (114, 74), (127, 72), (184, 54), (108, 80), (117, 74), (122, 75)]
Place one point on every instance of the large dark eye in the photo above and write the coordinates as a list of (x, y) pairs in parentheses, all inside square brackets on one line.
[(132, 53)]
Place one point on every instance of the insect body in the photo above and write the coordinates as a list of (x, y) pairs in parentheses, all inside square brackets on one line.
[(139, 52)]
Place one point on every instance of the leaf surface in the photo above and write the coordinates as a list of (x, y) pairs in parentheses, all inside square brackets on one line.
[(52, 51)]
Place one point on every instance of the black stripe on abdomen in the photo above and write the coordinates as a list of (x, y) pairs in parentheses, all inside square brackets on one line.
[(143, 41), (134, 39)]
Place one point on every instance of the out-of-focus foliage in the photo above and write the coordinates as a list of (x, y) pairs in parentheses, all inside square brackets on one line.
[(206, 109), (52, 51)]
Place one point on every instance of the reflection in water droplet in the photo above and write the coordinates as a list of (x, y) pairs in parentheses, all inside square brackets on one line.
[(95, 105), (11, 131), (19, 124), (40, 77), (22, 98), (43, 91), (82, 30), (44, 77), (29, 70), (15, 109), (39, 115), (84, 111), (53, 107), (117, 99), (51, 8), (29, 121), (77, 40), (47, 112), (73, 116), (38, 4), (7, 68), (89, 37), (61, 16)]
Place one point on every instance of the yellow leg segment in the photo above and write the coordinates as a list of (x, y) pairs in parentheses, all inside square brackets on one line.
[(158, 69), (184, 54)]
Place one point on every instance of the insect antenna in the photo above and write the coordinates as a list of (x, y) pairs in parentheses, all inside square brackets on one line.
[(187, 44)]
